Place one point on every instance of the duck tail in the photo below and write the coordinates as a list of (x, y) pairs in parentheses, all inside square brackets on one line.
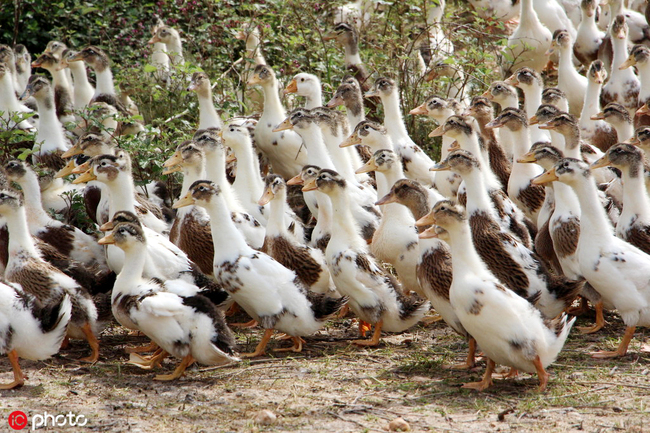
[(560, 327), (565, 290), (325, 307)]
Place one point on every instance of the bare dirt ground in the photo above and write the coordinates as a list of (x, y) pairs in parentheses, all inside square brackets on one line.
[(334, 386)]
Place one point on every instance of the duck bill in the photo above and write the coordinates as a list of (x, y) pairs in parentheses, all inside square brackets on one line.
[(266, 197), (487, 95), (370, 93), (175, 159), (512, 80), (29, 91), (632, 140), (387, 199), (533, 120), (37, 63), (599, 116), (367, 167), (107, 240), (65, 171), (81, 168), (329, 36), (76, 58), (254, 80), (296, 180), (172, 169), (85, 177), (310, 186), (429, 233), (192, 86), (186, 200), (438, 132), (420, 109), (292, 87), (631, 61), (230, 158), (352, 140), (286, 124), (643, 110), (550, 51), (426, 220), (73, 151), (335, 102), (431, 75), (107, 227), (545, 177), (441, 166), (527, 158), (494, 124), (548, 126), (154, 39), (600, 162)]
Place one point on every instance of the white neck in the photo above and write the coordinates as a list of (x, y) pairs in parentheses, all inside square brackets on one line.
[(8, 102), (191, 173), (620, 55), (528, 16), (624, 131), (216, 172), (471, 144), (340, 157), (644, 78), (59, 78), (463, 254), (37, 218), (350, 58), (390, 176), (127, 281), (395, 127), (208, 116), (635, 197), (82, 88), (121, 195), (104, 83), (347, 231), (353, 119), (566, 201), (477, 193), (253, 49), (317, 154), (20, 241), (591, 106), (594, 223), (249, 178), (532, 101), (50, 131), (224, 232), (272, 102), (175, 49), (521, 147), (314, 99), (275, 225)]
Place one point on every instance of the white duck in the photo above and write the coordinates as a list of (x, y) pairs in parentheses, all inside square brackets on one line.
[(208, 116), (528, 43), (307, 86), (83, 91), (569, 80)]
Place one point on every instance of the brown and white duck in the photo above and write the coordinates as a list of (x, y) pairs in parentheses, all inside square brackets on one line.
[(349, 95), (618, 116), (62, 88), (597, 132), (589, 36), (208, 116), (348, 37), (322, 231)]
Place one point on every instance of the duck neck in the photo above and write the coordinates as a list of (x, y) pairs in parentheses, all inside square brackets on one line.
[(635, 198), (347, 231), (208, 116), (354, 111), (104, 83), (224, 232), (216, 172), (121, 194), (248, 178), (317, 154), (572, 144), (175, 49), (644, 78), (8, 102), (315, 99), (620, 55), (393, 120), (50, 132), (191, 173), (624, 131), (528, 16), (352, 56), (591, 106), (471, 143), (59, 78), (477, 193), (521, 147), (463, 254), (593, 220), (36, 215), (20, 240), (135, 258), (532, 99), (565, 67), (390, 175), (340, 157), (275, 225), (566, 201), (272, 102)]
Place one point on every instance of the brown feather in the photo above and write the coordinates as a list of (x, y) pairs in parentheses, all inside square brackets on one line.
[(296, 258), (565, 237)]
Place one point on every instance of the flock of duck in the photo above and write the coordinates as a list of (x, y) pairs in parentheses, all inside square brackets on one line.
[(523, 213)]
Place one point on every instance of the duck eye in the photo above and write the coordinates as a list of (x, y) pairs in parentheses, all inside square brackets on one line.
[(366, 127), (232, 129), (302, 79)]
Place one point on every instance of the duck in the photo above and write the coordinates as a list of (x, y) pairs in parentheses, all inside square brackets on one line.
[(440, 45), (30, 329), (588, 37), (191, 228), (50, 141), (97, 59), (42, 280), (528, 198), (555, 97), (528, 43), (634, 221), (358, 13), (514, 264), (270, 293), (23, 66), (623, 85), (208, 116), (9, 103), (639, 28), (504, 95), (307, 86), (57, 48), (215, 170), (349, 95), (83, 91), (569, 81), (415, 161), (307, 262), (172, 40), (68, 240), (440, 109), (322, 231), (614, 268), (481, 109), (531, 83), (8, 58), (348, 37), (639, 56), (186, 327), (374, 296), (619, 118), (597, 132), (283, 149), (62, 87), (507, 327), (395, 241), (159, 57)]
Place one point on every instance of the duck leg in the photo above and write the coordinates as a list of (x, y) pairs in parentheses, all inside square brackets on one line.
[(94, 344), (65, 344), (178, 372), (260, 349), (622, 347), (429, 320), (151, 347), (19, 377), (374, 341), (150, 362), (251, 324), (364, 327), (600, 320), (471, 358), (297, 346), (487, 378), (543, 375)]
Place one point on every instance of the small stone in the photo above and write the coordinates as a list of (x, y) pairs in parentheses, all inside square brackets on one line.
[(398, 424), (265, 417)]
